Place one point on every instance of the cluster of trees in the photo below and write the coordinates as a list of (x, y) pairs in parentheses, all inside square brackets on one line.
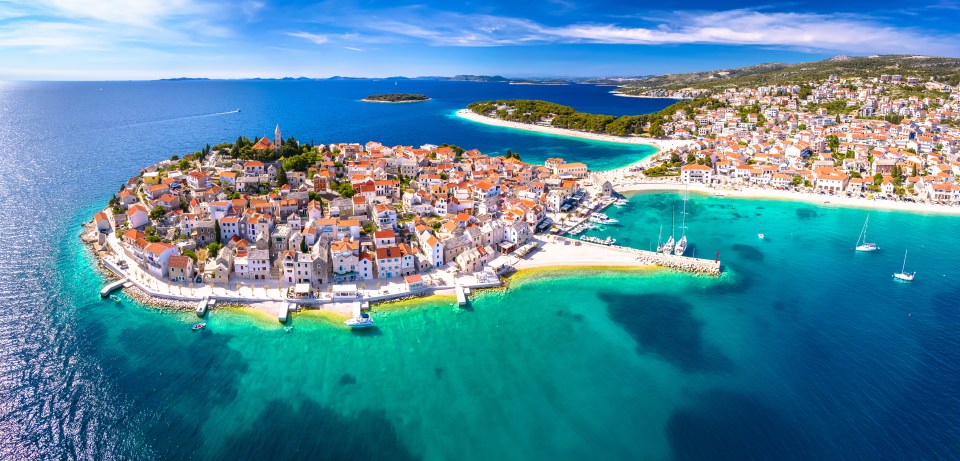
[(243, 149), (534, 111), (512, 154), (345, 189)]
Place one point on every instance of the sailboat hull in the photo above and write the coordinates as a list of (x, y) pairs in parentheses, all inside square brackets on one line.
[(903, 277), (867, 247)]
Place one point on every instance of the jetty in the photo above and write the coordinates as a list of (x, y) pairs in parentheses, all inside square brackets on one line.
[(461, 296), (111, 287)]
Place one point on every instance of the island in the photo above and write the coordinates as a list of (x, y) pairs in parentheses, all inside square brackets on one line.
[(282, 225), (396, 98)]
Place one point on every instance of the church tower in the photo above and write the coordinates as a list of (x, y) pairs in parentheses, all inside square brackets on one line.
[(277, 140)]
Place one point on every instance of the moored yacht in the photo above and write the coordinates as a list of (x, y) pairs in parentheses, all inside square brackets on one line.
[(363, 321), (862, 243), (903, 275), (681, 246), (667, 247)]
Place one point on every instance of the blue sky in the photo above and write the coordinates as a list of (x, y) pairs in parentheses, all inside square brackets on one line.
[(146, 39)]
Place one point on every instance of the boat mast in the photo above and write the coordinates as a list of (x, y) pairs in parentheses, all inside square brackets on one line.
[(683, 224), (660, 237), (904, 267), (673, 219)]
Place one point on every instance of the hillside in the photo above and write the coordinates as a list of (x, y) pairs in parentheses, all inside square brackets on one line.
[(944, 70)]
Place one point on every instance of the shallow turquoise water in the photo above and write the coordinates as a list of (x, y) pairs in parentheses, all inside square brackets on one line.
[(801, 349)]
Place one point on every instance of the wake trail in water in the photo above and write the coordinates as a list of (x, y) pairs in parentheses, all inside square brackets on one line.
[(173, 119)]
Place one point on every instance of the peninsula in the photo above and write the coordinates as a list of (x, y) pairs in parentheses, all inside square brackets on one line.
[(396, 97), (283, 225)]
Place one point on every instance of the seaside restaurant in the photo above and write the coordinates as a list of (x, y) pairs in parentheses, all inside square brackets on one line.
[(345, 292), (302, 291)]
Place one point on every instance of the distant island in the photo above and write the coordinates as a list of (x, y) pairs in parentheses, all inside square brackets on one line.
[(396, 97)]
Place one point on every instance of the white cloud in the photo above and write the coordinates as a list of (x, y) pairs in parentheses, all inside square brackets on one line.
[(808, 31), (70, 25), (315, 38)]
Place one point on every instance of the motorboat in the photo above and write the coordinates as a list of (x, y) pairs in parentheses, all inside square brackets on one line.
[(359, 321), (602, 220), (199, 326), (760, 235)]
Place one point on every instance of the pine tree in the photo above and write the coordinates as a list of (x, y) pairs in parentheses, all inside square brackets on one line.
[(303, 245), (216, 230), (281, 175)]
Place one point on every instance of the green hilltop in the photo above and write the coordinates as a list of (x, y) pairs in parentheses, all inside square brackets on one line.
[(940, 69)]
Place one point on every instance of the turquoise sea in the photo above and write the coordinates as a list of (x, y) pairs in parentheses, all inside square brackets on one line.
[(802, 349)]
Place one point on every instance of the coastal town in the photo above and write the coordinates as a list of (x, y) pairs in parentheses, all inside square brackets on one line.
[(295, 225), (890, 137)]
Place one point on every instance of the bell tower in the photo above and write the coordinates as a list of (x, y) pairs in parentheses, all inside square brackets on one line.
[(277, 139)]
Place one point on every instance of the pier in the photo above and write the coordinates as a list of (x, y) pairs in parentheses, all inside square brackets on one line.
[(461, 296), (111, 287), (671, 261)]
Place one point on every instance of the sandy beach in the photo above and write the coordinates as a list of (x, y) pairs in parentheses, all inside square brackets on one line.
[(553, 253), (816, 199), (660, 144)]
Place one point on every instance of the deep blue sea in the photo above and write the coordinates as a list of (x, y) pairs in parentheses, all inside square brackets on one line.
[(802, 349)]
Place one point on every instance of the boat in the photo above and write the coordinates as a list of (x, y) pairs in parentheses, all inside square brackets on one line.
[(667, 247), (862, 243), (681, 246), (360, 321), (602, 220), (903, 274), (199, 326), (760, 235)]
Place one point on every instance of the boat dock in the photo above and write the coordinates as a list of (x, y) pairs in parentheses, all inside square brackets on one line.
[(670, 261), (461, 296), (111, 287)]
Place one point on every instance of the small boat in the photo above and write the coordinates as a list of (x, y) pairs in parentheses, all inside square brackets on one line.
[(199, 326), (602, 220), (862, 243), (903, 274), (361, 321), (115, 298), (760, 235)]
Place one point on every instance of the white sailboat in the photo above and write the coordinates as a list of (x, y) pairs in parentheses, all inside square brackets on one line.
[(903, 274), (682, 244), (667, 248), (862, 243)]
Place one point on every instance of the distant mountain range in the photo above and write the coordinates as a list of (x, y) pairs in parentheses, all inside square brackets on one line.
[(943, 70), (459, 78)]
